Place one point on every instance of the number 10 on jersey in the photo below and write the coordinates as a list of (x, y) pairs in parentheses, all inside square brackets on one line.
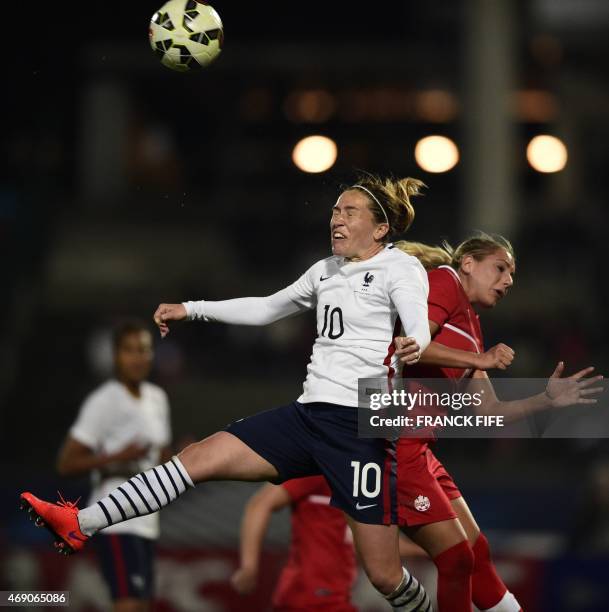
[(334, 318)]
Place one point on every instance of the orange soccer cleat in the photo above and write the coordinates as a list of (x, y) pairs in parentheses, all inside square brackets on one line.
[(61, 519)]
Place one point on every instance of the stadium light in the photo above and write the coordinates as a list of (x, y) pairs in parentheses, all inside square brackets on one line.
[(315, 154), (547, 153), (436, 154)]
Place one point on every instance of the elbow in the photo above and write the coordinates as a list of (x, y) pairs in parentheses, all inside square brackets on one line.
[(65, 468), (62, 469), (425, 340)]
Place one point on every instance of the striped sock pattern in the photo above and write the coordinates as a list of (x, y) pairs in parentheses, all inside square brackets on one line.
[(144, 493), (409, 596)]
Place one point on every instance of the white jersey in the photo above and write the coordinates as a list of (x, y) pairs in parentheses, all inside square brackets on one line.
[(358, 305), (110, 419)]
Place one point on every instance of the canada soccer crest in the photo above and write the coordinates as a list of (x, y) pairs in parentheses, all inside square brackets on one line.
[(422, 503)]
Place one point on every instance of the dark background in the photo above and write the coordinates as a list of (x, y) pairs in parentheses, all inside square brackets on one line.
[(124, 185)]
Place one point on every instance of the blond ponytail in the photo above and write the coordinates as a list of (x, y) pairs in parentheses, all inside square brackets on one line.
[(430, 256), (479, 246), (390, 200)]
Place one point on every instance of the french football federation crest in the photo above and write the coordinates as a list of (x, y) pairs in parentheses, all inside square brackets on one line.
[(368, 278)]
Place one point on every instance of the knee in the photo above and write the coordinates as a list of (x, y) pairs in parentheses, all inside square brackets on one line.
[(466, 560), (198, 461), (482, 549), (190, 459), (188, 451), (383, 581), (457, 560)]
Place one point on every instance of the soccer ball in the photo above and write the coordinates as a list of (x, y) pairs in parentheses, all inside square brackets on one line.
[(186, 34)]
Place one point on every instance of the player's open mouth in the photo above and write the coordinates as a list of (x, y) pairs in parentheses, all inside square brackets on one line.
[(500, 294), (338, 236)]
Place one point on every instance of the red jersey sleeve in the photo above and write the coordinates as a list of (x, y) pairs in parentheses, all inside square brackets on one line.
[(443, 296), (303, 487)]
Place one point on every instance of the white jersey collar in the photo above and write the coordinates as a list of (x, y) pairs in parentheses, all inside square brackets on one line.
[(452, 271)]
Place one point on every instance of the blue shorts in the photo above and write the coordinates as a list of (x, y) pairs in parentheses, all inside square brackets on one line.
[(318, 438), (127, 564)]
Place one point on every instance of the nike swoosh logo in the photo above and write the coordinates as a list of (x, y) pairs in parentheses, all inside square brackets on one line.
[(74, 536), (323, 278), (358, 507)]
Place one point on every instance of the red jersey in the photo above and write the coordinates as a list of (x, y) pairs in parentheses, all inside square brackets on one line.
[(449, 307), (321, 567)]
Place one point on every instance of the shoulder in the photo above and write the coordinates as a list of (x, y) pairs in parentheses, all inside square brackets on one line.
[(404, 260), (104, 395), (445, 288), (328, 263), (322, 269), (155, 393), (443, 276), (401, 265)]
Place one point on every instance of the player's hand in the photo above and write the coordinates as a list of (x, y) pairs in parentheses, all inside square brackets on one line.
[(124, 462), (498, 357), (407, 349), (575, 389), (244, 580), (168, 312), (131, 452)]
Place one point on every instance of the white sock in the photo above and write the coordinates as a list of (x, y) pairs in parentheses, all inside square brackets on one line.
[(508, 603), (409, 596), (144, 493)]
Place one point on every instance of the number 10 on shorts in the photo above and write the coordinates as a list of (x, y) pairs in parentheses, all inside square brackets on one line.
[(361, 477)]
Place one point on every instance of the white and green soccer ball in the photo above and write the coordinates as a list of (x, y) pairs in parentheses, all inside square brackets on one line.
[(186, 34)]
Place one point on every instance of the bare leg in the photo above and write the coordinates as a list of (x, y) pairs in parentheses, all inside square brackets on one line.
[(377, 547), (378, 550), (466, 518), (223, 456)]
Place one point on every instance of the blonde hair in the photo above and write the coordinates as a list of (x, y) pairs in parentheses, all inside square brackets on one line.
[(430, 256), (393, 197), (478, 246)]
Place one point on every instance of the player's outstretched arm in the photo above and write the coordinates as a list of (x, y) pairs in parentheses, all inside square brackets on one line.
[(579, 388), (254, 525), (498, 357), (239, 311)]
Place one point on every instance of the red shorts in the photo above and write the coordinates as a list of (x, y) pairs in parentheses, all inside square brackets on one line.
[(425, 488)]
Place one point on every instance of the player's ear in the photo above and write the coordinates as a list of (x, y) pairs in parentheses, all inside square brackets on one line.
[(467, 263), (381, 231)]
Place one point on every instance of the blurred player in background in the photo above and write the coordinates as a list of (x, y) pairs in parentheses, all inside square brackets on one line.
[(478, 273), (123, 428), (321, 567)]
